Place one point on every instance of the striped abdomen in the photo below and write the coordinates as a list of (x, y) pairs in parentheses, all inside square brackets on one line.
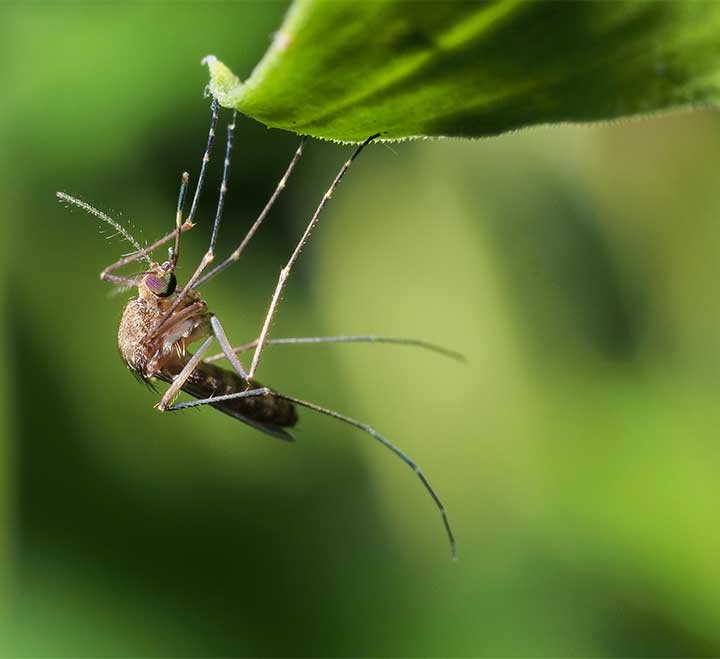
[(267, 413)]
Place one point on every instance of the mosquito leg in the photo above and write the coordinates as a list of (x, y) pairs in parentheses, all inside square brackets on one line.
[(181, 378), (136, 256), (105, 274), (236, 254), (262, 391), (285, 272), (204, 166), (181, 226), (227, 350), (210, 254), (179, 218), (142, 253), (389, 445), (304, 340), (118, 280)]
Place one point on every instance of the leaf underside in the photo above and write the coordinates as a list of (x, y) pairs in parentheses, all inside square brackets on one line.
[(343, 70)]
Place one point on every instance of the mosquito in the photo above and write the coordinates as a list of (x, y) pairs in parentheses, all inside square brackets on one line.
[(158, 326)]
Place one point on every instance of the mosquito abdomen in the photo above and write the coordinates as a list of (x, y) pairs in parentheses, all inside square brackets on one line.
[(267, 413)]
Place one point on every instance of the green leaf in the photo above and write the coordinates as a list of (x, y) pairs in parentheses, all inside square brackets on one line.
[(343, 70)]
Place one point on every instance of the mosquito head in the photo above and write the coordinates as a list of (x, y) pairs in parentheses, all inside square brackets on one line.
[(160, 281)]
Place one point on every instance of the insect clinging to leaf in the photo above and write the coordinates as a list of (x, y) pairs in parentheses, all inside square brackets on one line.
[(159, 325)]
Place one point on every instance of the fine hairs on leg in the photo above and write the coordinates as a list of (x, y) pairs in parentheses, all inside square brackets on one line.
[(365, 338), (210, 254), (285, 272), (235, 256)]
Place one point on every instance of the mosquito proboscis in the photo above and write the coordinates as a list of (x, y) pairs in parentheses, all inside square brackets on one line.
[(158, 326)]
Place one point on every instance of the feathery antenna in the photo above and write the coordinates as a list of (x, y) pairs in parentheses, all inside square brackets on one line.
[(105, 218)]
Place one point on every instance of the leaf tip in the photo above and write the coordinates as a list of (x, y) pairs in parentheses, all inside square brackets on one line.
[(224, 84)]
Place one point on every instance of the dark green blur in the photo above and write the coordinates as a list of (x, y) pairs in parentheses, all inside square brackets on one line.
[(578, 451)]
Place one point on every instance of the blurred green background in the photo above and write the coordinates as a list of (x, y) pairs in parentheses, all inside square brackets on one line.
[(577, 451)]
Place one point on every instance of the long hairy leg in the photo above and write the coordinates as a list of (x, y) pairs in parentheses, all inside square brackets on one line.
[(365, 338), (210, 254), (227, 350), (181, 378), (143, 252), (235, 256), (248, 393), (389, 445), (264, 391), (285, 272)]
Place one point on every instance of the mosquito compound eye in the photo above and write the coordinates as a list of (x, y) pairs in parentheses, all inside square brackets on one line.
[(171, 284), (161, 286)]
